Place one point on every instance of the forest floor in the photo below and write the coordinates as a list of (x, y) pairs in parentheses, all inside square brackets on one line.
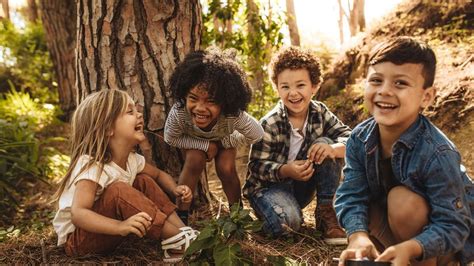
[(33, 241)]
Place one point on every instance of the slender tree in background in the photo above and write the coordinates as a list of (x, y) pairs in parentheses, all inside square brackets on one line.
[(355, 17), (340, 22), (60, 27), (134, 46), (31, 10), (5, 8), (292, 25)]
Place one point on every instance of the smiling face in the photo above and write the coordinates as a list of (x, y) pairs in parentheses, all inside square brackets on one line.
[(394, 94), (204, 111), (296, 90), (128, 127)]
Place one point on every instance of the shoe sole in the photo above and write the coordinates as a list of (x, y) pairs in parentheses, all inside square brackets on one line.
[(336, 241)]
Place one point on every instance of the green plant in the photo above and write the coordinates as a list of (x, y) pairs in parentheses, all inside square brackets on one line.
[(217, 243), (25, 61), (21, 117)]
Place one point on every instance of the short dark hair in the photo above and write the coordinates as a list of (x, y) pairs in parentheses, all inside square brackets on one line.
[(295, 58), (401, 50), (216, 71)]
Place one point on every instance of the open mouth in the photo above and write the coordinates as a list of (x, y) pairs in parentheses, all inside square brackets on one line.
[(295, 101), (387, 106), (139, 128), (200, 118)]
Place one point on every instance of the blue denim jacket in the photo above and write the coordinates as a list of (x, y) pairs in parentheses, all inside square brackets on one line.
[(424, 160)]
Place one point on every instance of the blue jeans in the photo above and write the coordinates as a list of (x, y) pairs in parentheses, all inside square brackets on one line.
[(280, 204)]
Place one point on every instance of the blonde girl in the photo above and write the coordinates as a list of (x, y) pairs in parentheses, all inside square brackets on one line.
[(109, 192)]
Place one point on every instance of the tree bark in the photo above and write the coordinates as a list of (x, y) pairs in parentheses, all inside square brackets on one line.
[(356, 17), (134, 46), (60, 27), (292, 25), (32, 10), (6, 9), (361, 15)]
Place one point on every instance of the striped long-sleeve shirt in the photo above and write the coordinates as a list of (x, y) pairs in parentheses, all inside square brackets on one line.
[(233, 131), (269, 154)]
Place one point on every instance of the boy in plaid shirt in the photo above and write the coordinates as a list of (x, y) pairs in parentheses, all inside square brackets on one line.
[(301, 153)]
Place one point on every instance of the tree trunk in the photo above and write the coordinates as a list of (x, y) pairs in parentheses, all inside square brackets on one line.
[(254, 62), (5, 8), (135, 46), (361, 15), (356, 17), (352, 17), (292, 25), (32, 10), (340, 22), (60, 26)]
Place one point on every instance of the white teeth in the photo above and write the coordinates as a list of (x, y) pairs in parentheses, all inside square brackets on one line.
[(295, 101), (386, 105), (201, 116)]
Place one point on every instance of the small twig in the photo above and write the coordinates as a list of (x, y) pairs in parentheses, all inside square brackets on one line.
[(469, 59), (43, 251), (289, 229), (220, 208)]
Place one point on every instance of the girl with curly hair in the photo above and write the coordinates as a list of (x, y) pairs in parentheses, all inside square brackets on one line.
[(208, 120)]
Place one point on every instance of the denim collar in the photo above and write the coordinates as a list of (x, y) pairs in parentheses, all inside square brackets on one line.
[(408, 138)]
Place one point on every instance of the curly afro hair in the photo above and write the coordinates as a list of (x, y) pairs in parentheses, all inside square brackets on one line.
[(218, 73), (295, 58)]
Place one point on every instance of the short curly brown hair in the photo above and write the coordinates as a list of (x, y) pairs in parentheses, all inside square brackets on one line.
[(295, 58)]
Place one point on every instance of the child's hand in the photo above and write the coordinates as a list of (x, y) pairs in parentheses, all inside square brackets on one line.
[(360, 246), (137, 224), (300, 170), (320, 151), (184, 193), (395, 255), (212, 150), (401, 253)]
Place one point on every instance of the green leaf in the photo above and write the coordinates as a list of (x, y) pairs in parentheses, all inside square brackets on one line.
[(228, 228), (201, 244), (226, 255)]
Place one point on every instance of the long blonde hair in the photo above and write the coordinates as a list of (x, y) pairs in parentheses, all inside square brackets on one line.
[(90, 127)]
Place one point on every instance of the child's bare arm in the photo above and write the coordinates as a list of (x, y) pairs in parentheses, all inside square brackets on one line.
[(167, 182), (84, 217), (163, 179)]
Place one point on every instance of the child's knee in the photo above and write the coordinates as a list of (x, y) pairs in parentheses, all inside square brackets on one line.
[(406, 207), (116, 190), (195, 160), (226, 170), (281, 221)]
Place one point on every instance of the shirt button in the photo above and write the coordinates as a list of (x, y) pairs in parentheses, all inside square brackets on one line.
[(458, 203)]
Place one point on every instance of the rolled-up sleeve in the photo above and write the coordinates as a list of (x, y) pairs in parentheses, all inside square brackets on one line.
[(450, 219)]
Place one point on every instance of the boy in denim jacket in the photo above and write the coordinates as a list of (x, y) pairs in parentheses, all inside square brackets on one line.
[(301, 152), (405, 193)]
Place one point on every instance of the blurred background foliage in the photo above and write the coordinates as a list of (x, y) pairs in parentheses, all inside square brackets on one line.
[(28, 110)]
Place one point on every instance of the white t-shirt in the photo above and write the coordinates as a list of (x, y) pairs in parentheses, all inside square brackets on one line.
[(112, 172), (296, 140)]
